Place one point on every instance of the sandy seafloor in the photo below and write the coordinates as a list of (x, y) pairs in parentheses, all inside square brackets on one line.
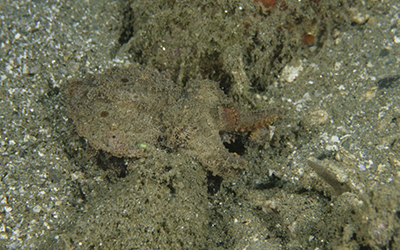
[(350, 91)]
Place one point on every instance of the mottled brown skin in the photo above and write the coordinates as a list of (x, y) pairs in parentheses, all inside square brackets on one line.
[(129, 112)]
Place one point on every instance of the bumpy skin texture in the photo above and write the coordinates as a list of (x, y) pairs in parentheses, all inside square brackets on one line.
[(129, 112)]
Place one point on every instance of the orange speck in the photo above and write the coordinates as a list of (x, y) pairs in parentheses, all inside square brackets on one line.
[(104, 114), (268, 3), (308, 39)]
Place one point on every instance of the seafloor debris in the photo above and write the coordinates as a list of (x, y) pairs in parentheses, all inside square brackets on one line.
[(130, 112)]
